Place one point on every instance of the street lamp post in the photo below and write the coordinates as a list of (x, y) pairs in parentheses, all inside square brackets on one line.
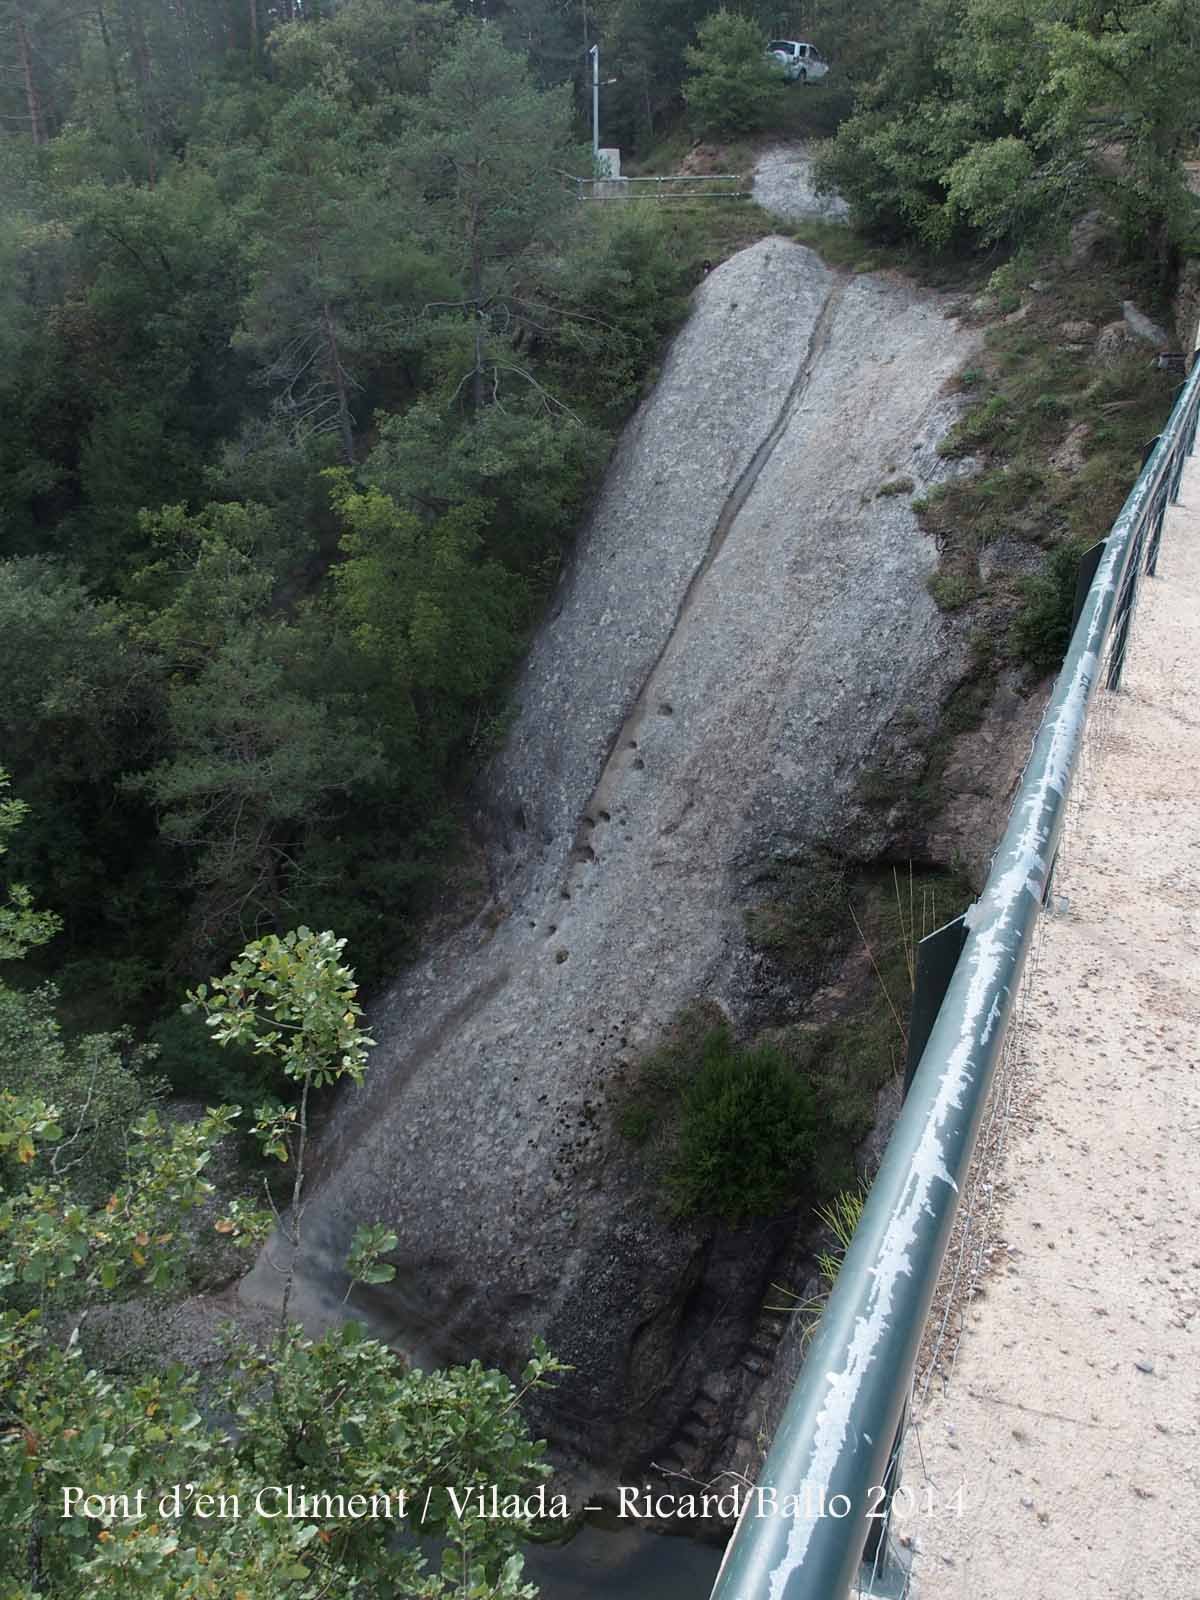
[(594, 52)]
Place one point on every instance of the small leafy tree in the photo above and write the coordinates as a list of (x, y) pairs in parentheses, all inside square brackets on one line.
[(292, 999), (341, 1413), (733, 86)]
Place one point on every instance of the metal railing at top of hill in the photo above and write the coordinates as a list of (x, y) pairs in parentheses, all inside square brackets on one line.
[(677, 186), (821, 1498)]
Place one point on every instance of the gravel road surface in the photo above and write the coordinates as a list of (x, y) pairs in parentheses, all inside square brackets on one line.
[(1070, 1431)]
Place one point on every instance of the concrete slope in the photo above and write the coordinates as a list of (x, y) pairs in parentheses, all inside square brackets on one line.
[(741, 623)]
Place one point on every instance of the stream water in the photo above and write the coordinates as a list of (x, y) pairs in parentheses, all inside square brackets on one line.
[(604, 1564)]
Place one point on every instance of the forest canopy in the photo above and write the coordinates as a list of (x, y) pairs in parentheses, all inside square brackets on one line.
[(310, 362)]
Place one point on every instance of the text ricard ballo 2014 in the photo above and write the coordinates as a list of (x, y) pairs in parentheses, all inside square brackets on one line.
[(484, 1502)]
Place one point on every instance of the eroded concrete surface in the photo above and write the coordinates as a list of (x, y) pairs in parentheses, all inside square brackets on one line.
[(1070, 1428), (740, 628)]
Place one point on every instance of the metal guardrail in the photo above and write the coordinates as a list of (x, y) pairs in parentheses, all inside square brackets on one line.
[(675, 186), (821, 1496)]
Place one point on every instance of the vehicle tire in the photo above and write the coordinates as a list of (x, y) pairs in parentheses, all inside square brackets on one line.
[(803, 78)]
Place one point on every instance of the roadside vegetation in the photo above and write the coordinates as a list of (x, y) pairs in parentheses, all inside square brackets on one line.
[(988, 134), (839, 1219), (1056, 427)]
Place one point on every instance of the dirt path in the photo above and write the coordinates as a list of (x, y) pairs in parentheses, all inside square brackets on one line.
[(1067, 1423)]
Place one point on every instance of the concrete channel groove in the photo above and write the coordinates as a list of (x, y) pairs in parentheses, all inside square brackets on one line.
[(602, 802)]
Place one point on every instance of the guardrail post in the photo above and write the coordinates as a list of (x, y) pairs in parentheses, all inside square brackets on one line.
[(1165, 497), (937, 957), (1088, 563), (1189, 442), (883, 1571), (1127, 595)]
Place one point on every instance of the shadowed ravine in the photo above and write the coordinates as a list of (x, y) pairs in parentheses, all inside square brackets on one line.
[(740, 626)]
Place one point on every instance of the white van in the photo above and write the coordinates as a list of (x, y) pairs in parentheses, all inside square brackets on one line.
[(802, 63)]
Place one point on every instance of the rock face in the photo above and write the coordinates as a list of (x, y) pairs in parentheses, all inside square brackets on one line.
[(1114, 340), (783, 185), (1069, 457), (1091, 236), (740, 624), (1142, 326), (983, 772), (1077, 332)]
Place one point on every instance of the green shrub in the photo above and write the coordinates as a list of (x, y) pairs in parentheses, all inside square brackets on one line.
[(732, 88), (738, 1132), (983, 424), (748, 1135), (1006, 283), (952, 590), (806, 914), (636, 1121), (1010, 487), (100, 1084), (1042, 629), (185, 1058)]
